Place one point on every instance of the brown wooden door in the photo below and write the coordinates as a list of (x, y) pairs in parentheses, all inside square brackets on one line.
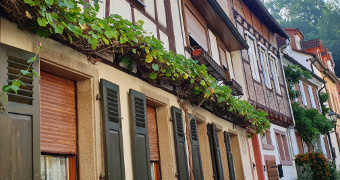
[(19, 122), (273, 173)]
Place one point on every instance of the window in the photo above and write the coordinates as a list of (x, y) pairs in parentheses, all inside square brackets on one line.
[(293, 88), (329, 64), (267, 141), (275, 74), (311, 96), (297, 42), (153, 142), (282, 145), (265, 69), (302, 91), (252, 58), (214, 47), (317, 95)]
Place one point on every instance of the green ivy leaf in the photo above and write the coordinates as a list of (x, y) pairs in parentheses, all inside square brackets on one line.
[(32, 60), (94, 43), (50, 2), (25, 72), (153, 76), (69, 4), (14, 88), (6, 88), (203, 83), (148, 58), (134, 50), (49, 18), (58, 28), (155, 67), (105, 40), (42, 21), (35, 74)]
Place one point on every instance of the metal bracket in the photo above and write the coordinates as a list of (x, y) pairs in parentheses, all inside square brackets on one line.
[(98, 97)]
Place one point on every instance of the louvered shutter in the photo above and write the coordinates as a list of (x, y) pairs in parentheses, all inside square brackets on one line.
[(20, 122), (181, 155), (113, 142), (140, 138), (311, 96), (196, 153), (215, 152), (302, 91), (230, 156), (273, 174)]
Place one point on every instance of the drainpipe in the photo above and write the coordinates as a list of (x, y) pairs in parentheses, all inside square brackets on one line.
[(290, 106)]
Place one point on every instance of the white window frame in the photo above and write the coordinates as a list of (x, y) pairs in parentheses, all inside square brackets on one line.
[(264, 63), (311, 96), (275, 73), (303, 95), (252, 57)]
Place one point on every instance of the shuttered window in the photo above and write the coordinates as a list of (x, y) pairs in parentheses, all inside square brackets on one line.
[(196, 152), (140, 138), (275, 73), (19, 123), (196, 30), (113, 142), (317, 95), (181, 155), (215, 152), (232, 174), (282, 146), (58, 115), (311, 96), (302, 91)]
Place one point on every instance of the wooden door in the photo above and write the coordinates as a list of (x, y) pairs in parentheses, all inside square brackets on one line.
[(19, 122), (273, 173)]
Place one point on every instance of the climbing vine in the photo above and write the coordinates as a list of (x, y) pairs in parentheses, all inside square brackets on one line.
[(309, 122), (75, 23)]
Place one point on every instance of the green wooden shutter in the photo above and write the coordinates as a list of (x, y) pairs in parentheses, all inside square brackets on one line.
[(140, 138), (181, 155), (196, 153), (229, 156), (215, 152), (20, 122), (113, 142)]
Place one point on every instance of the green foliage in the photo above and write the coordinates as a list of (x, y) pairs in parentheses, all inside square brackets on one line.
[(304, 172), (319, 165), (88, 34), (310, 123), (315, 18), (293, 75), (324, 97)]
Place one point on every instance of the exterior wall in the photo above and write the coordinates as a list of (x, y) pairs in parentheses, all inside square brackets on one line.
[(67, 62), (302, 59)]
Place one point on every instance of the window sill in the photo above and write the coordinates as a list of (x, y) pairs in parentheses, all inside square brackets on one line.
[(137, 4), (268, 146), (286, 163)]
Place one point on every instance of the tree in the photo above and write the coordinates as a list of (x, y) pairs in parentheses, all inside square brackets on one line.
[(315, 18)]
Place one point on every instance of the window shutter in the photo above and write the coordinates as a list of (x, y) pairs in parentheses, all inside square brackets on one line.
[(317, 95), (140, 138), (215, 152), (230, 156), (181, 155), (273, 174), (196, 153), (302, 91), (20, 122), (113, 142), (293, 88), (311, 96)]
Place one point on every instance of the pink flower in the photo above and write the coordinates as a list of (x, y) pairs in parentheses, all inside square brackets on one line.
[(39, 44)]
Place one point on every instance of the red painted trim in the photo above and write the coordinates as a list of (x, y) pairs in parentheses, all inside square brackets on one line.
[(258, 157)]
